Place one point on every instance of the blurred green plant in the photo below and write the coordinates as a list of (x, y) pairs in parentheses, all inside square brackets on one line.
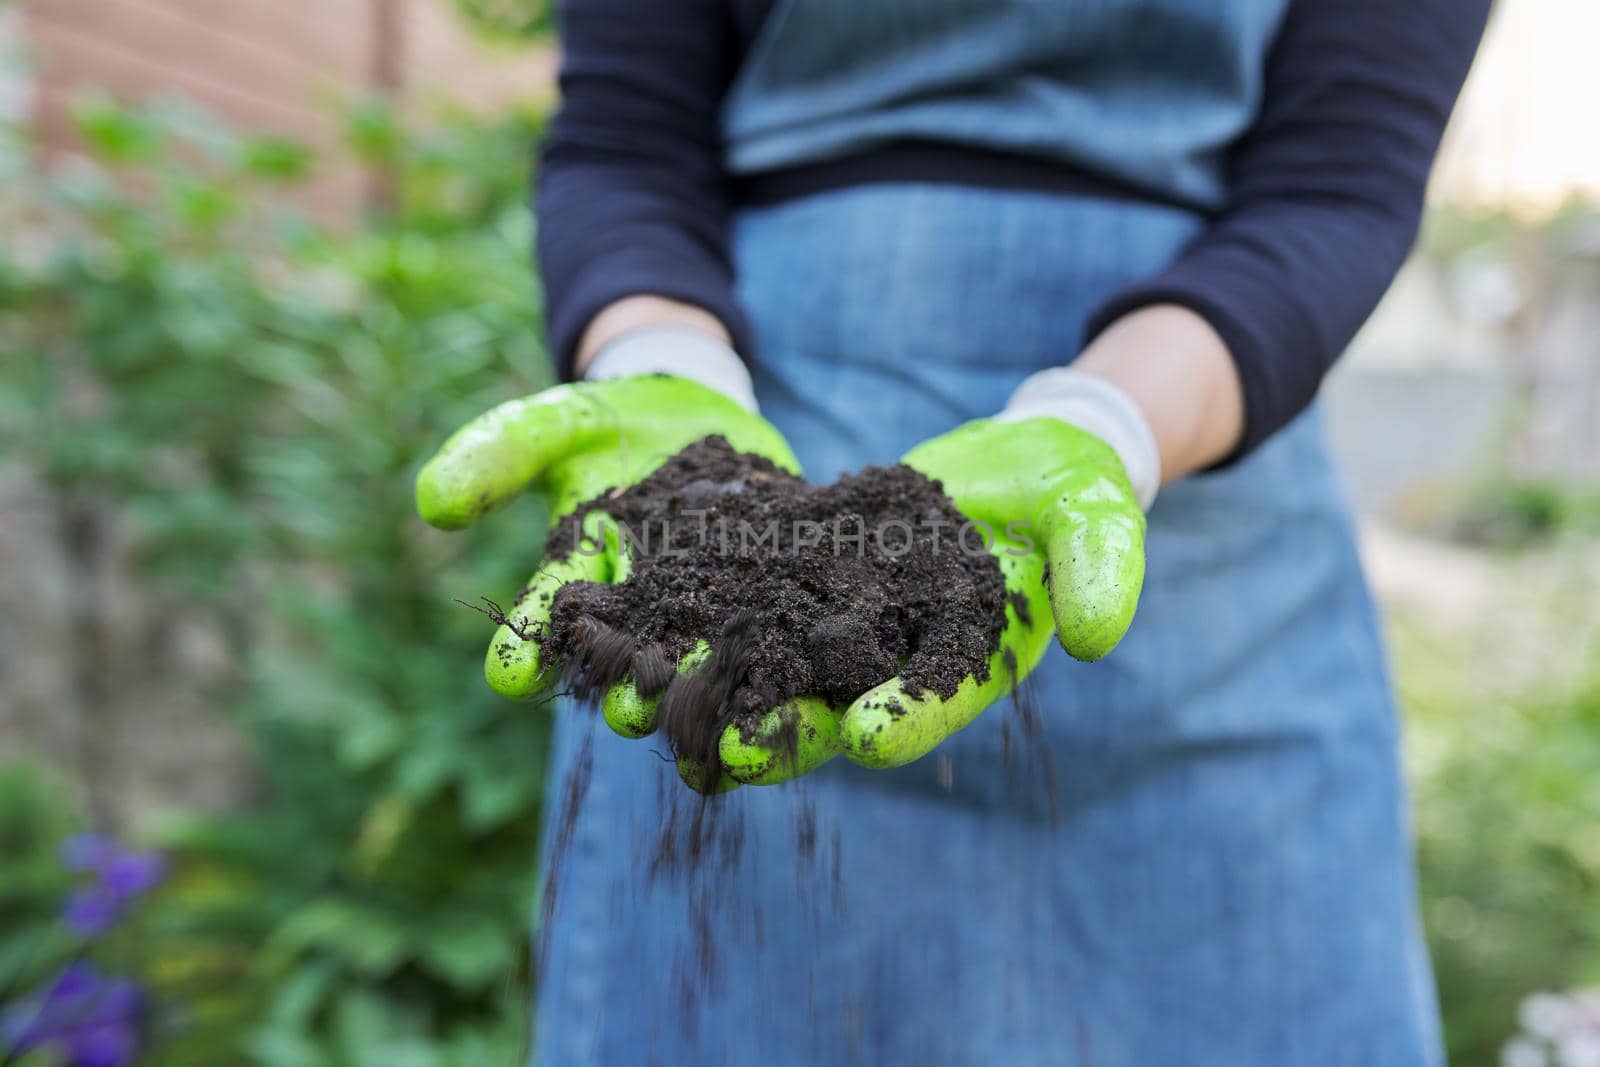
[(516, 20), (1507, 807), (36, 817), (1498, 511), (246, 392), (1451, 230), (67, 912), (1515, 513)]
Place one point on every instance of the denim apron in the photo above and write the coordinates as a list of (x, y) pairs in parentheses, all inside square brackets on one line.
[(1192, 852)]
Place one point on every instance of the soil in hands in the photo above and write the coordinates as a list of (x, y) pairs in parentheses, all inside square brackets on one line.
[(821, 591), (798, 590)]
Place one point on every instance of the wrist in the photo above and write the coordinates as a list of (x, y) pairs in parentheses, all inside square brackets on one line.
[(680, 350), (1178, 370), (638, 312), (1098, 407)]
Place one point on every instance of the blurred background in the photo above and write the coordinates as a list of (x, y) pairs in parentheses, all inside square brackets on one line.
[(260, 257)]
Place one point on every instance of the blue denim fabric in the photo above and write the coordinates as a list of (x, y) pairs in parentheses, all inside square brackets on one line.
[(1146, 93), (1227, 879)]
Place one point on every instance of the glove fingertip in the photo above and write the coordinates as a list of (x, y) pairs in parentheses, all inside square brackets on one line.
[(1092, 616), (438, 504), (791, 740), (513, 666), (705, 780), (868, 732), (627, 713)]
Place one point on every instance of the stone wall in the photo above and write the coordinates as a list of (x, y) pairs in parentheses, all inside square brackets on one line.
[(99, 678)]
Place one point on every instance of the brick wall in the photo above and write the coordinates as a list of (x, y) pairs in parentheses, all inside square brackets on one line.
[(270, 65)]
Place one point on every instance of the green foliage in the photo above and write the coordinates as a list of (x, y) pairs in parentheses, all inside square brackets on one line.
[(1450, 231), (1503, 513), (1507, 512), (1507, 807), (36, 816), (248, 392), (70, 936), (516, 20)]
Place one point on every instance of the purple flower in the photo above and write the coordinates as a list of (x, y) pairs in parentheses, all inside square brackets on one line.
[(88, 852), (84, 1018), (120, 876), (91, 912), (105, 1045), (130, 874)]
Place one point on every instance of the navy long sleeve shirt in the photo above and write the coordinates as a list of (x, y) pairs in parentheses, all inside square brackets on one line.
[(1312, 130)]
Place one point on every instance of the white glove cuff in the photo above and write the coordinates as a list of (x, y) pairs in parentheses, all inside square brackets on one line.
[(1096, 406), (679, 350)]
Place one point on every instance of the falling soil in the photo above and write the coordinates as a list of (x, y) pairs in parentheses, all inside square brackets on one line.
[(796, 590), (821, 591)]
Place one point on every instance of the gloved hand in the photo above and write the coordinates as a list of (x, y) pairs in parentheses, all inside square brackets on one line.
[(1069, 537), (573, 442)]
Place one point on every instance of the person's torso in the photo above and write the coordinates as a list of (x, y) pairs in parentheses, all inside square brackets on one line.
[(1145, 95)]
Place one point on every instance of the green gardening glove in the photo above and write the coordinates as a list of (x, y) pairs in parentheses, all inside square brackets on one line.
[(1074, 554), (1069, 537), (569, 444)]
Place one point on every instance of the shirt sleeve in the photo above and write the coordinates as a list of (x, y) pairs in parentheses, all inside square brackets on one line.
[(631, 196), (1325, 193)]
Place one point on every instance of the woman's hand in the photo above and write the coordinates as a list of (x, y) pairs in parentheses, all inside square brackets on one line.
[(1069, 537), (1068, 531), (570, 444), (1068, 534)]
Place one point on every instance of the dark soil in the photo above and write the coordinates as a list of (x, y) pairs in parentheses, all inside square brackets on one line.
[(799, 589)]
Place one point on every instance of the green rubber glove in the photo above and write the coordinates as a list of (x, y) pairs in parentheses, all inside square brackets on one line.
[(1078, 563), (1069, 537), (570, 444)]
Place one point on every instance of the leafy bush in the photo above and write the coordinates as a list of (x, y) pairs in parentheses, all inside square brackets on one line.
[(1501, 512), (1507, 807), (65, 915), (514, 20), (35, 819), (249, 393)]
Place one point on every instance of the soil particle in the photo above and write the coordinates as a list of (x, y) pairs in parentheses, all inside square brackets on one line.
[(798, 589)]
